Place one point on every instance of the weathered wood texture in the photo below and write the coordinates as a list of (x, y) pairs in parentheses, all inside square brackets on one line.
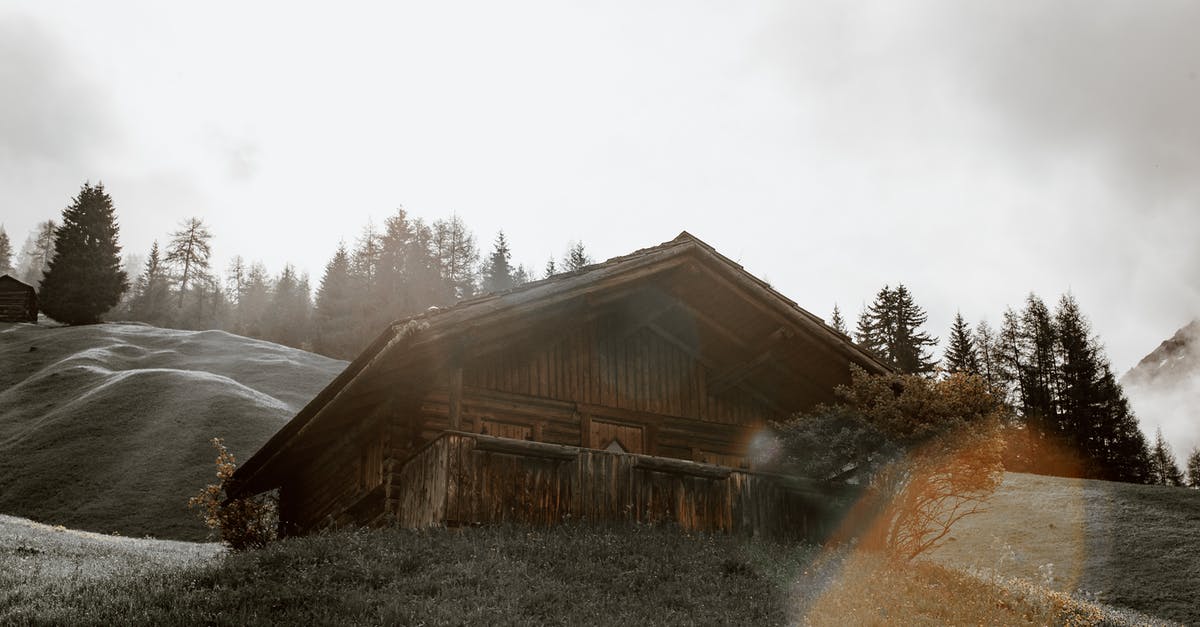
[(464, 479), (18, 301), (640, 370)]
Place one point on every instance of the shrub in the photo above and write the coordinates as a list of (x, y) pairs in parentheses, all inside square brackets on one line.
[(245, 523), (929, 452)]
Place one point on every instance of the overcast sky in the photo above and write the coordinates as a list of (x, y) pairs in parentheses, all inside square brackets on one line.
[(974, 151)]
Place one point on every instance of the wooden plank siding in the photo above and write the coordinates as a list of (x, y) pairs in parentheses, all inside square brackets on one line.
[(586, 387), (641, 372), (465, 479)]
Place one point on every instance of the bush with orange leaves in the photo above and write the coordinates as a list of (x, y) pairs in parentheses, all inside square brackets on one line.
[(927, 451), (246, 523)]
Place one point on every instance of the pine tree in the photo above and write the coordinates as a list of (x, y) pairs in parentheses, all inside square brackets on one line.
[(1164, 470), (254, 306), (837, 322), (1038, 368), (287, 322), (1077, 371), (1193, 468), (151, 292), (497, 269), (575, 258), (188, 252), (912, 349), (6, 252), (864, 332), (521, 275), (333, 320), (1126, 455), (961, 354), (891, 328), (84, 279), (550, 270)]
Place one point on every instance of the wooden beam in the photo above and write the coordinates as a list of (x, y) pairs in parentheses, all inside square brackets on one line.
[(456, 393)]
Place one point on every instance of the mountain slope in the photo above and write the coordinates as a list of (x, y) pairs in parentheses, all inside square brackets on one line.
[(107, 427), (1164, 389)]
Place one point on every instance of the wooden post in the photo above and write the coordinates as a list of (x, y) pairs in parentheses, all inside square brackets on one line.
[(456, 384)]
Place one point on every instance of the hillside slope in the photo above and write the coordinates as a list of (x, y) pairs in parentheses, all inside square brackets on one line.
[(574, 574), (1164, 389), (1133, 546), (107, 427)]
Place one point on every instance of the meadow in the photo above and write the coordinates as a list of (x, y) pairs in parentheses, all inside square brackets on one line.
[(574, 574)]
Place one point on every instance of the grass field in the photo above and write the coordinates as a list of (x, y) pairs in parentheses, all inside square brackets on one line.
[(107, 427), (500, 575), (1128, 545)]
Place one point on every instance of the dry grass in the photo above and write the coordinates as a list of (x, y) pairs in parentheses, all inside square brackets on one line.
[(1124, 545)]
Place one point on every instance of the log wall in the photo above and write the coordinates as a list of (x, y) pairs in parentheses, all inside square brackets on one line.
[(18, 303), (638, 370), (464, 479)]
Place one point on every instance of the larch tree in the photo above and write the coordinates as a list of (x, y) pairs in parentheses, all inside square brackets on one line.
[(985, 345), (456, 254), (235, 279), (961, 354), (84, 279), (551, 268), (1193, 468), (497, 268), (36, 253), (408, 272), (188, 253), (6, 252)]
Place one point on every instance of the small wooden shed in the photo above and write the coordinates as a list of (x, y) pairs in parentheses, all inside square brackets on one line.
[(629, 389), (18, 301)]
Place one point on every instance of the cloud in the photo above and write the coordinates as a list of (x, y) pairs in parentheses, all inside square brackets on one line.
[(51, 113), (1114, 82)]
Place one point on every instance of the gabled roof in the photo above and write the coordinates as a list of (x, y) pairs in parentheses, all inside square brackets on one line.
[(492, 319), (12, 281)]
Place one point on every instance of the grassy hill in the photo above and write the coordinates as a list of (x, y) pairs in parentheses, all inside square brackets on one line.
[(1129, 545), (107, 427), (574, 574)]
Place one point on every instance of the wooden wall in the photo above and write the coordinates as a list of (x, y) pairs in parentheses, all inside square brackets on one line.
[(595, 386), (18, 303), (461, 479), (597, 364)]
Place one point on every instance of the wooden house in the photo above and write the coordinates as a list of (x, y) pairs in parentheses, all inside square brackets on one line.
[(18, 301), (629, 389)]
